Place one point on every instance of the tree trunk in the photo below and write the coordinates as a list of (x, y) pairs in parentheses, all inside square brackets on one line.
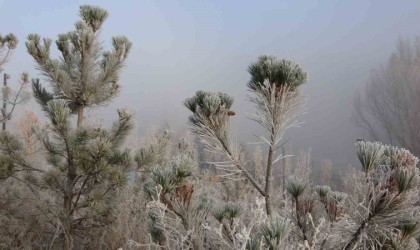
[(269, 174), (68, 206), (68, 241), (80, 116), (68, 231)]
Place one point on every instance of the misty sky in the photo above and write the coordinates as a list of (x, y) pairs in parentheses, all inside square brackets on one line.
[(181, 47)]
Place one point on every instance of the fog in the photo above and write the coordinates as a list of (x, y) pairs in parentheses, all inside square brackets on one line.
[(181, 47)]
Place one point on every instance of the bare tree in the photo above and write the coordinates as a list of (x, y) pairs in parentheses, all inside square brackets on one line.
[(388, 107), (12, 98), (8, 44)]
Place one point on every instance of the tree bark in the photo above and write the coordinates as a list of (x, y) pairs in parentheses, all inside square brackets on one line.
[(80, 116)]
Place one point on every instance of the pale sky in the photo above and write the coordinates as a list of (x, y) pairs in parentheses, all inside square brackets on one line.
[(180, 47)]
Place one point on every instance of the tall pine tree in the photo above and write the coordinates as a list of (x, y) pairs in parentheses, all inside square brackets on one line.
[(83, 165)]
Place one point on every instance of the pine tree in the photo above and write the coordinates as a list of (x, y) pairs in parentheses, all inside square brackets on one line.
[(83, 165), (85, 75), (275, 87)]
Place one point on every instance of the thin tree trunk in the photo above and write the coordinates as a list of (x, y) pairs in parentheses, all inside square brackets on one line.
[(68, 206), (80, 116), (5, 101), (68, 233), (68, 241), (269, 174)]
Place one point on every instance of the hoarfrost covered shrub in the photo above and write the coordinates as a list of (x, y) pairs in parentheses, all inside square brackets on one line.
[(156, 152), (386, 201), (177, 209), (379, 210)]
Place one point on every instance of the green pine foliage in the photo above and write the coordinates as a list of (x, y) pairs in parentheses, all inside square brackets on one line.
[(268, 70), (85, 75)]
